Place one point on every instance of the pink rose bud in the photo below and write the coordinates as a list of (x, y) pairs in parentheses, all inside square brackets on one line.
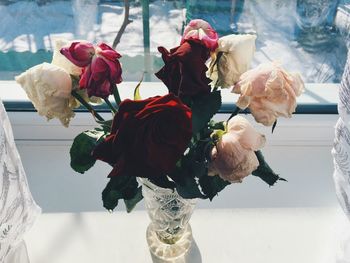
[(200, 31), (79, 53), (103, 73), (233, 157), (269, 92)]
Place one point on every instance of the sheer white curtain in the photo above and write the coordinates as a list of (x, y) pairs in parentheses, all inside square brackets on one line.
[(341, 155), (18, 209)]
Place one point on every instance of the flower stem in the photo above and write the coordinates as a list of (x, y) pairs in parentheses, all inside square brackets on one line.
[(234, 113), (87, 106), (116, 95), (110, 105)]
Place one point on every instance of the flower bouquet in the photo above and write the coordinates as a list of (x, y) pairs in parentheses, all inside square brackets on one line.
[(168, 142)]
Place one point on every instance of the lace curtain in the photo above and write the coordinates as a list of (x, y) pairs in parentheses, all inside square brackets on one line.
[(341, 156), (17, 207)]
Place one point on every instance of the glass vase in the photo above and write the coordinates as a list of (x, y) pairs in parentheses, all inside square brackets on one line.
[(169, 235)]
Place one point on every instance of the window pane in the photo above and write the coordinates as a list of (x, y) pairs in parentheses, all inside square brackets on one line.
[(304, 35)]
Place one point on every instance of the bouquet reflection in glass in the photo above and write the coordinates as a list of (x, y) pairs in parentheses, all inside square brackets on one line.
[(168, 149)]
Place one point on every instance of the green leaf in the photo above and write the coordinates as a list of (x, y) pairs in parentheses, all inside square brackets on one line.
[(106, 125), (189, 188), (265, 172), (137, 95), (131, 203), (217, 125), (80, 151), (119, 187), (203, 109), (212, 185)]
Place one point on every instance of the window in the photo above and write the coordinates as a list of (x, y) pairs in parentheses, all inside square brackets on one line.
[(304, 35)]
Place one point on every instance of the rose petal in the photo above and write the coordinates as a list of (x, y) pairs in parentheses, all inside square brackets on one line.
[(200, 31)]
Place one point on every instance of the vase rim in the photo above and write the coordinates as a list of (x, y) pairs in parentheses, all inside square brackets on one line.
[(146, 182)]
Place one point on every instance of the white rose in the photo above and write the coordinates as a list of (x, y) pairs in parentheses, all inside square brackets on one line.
[(59, 60), (49, 88), (237, 54), (233, 157)]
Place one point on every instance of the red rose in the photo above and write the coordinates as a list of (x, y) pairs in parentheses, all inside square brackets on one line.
[(184, 72), (101, 67), (79, 53), (104, 71), (147, 138)]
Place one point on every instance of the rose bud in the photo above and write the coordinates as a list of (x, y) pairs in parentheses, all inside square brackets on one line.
[(200, 31), (269, 91), (233, 157), (49, 88), (147, 137), (236, 53)]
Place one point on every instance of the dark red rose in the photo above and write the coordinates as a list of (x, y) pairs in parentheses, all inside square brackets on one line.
[(184, 72), (147, 137)]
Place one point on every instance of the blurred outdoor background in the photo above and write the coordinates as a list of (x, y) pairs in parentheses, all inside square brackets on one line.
[(308, 36)]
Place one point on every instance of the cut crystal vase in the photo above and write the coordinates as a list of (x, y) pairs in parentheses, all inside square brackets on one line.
[(169, 235)]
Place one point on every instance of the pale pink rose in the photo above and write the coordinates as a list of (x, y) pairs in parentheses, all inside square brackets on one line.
[(200, 31), (233, 157), (269, 92)]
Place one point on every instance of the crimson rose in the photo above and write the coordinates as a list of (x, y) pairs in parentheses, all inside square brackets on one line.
[(147, 137), (184, 72), (79, 53), (102, 69)]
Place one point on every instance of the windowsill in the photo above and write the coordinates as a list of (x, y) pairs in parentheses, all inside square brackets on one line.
[(299, 150), (263, 235), (317, 98)]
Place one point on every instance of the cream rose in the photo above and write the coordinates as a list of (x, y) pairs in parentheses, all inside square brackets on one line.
[(233, 157), (269, 91), (49, 88), (59, 60), (237, 52)]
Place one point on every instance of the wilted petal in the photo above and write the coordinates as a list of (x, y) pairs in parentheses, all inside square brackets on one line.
[(200, 31), (49, 88), (248, 136), (60, 60), (236, 53), (233, 157), (269, 92), (184, 69), (79, 53)]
